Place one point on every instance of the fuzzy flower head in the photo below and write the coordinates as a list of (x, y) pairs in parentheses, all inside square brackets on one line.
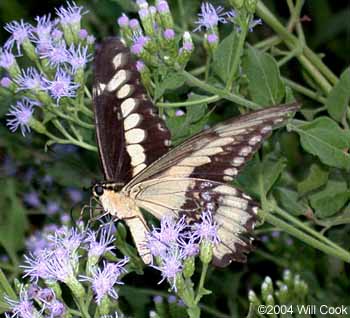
[(207, 229), (20, 116), (99, 243), (5, 82), (20, 31), (139, 42), (70, 15), (103, 280), (170, 229), (35, 266), (7, 59), (23, 307), (210, 17), (59, 266), (123, 20), (78, 57), (29, 79), (56, 53), (43, 27), (171, 265), (61, 86)]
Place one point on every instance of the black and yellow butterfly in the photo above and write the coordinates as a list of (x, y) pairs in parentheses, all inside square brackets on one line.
[(141, 172)]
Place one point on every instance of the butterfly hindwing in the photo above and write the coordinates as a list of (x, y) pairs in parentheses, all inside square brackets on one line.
[(190, 179), (130, 134)]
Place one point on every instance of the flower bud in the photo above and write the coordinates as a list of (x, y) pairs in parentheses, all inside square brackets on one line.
[(253, 298), (250, 5), (283, 294), (160, 306), (237, 4), (29, 49), (165, 14), (206, 252), (104, 306), (266, 288), (189, 267)]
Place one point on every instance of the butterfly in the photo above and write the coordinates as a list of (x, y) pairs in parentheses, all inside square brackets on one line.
[(142, 172)]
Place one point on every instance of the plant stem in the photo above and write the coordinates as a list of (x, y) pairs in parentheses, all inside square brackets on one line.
[(269, 217), (206, 100), (237, 54), (217, 91), (201, 283), (292, 42), (305, 91)]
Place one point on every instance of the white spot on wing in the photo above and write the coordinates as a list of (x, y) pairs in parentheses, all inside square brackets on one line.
[(254, 140), (132, 121), (125, 91), (245, 151), (266, 129), (237, 161), (138, 168), (128, 106), (135, 136), (119, 60), (136, 153), (118, 79)]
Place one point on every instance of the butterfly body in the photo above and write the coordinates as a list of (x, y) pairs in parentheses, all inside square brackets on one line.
[(134, 146)]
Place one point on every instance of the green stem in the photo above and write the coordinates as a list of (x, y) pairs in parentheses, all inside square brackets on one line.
[(306, 228), (220, 92), (292, 42), (206, 100), (237, 55), (182, 14), (305, 91), (267, 43), (76, 120), (201, 283), (269, 217)]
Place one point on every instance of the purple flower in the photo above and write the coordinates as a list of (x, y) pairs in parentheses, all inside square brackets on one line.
[(83, 34), (123, 21), (61, 86), (189, 247), (140, 65), (32, 199), (78, 57), (163, 7), (43, 27), (209, 17), (56, 34), (172, 299), (103, 280), (35, 266), (21, 115), (134, 24), (171, 265), (179, 112), (59, 265), (143, 13), (170, 229), (75, 195), (20, 31), (7, 59), (8, 167), (139, 42), (169, 34), (52, 208), (46, 295), (97, 247), (55, 308), (158, 299), (23, 307), (212, 38), (206, 229), (156, 247), (90, 39), (55, 53), (70, 15), (5, 82), (29, 79), (66, 239)]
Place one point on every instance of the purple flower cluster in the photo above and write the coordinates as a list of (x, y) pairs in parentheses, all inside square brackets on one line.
[(175, 241), (60, 50), (55, 255), (27, 305)]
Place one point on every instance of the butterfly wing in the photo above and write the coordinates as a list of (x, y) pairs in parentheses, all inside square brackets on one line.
[(130, 135), (190, 179)]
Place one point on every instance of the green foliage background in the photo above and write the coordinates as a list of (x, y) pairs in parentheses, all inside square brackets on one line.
[(307, 173)]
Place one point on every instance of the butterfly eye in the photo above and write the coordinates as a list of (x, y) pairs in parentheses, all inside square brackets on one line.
[(98, 190)]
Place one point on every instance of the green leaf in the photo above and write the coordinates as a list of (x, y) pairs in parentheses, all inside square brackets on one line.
[(330, 200), (272, 169), (13, 218), (265, 84), (316, 178), (289, 200), (338, 99), (223, 56), (195, 112), (326, 140), (171, 81)]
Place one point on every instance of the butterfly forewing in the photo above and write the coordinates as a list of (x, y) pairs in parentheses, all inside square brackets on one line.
[(129, 133)]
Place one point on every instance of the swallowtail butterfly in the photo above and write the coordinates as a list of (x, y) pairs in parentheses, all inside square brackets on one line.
[(141, 172)]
